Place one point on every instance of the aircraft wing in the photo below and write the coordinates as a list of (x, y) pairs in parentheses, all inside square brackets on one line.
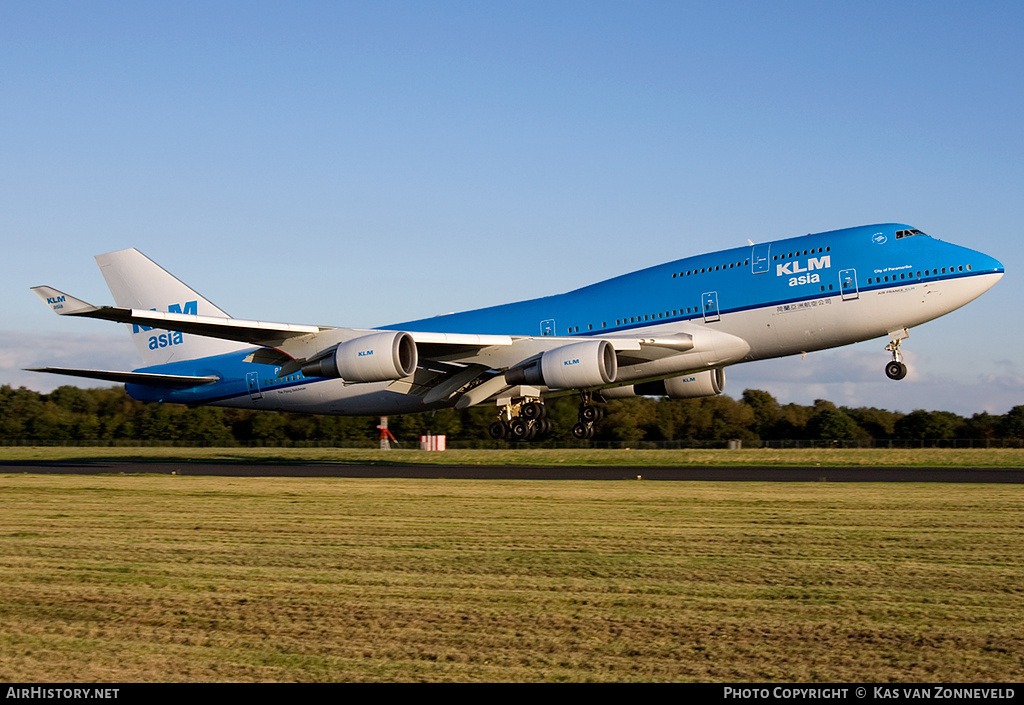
[(485, 376)]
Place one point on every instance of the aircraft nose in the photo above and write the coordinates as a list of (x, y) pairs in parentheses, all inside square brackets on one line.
[(990, 264), (989, 267), (980, 263)]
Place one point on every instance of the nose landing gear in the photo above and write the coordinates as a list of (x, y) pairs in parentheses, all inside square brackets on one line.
[(896, 369)]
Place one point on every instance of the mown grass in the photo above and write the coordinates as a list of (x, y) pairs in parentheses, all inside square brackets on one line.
[(874, 457), (172, 578)]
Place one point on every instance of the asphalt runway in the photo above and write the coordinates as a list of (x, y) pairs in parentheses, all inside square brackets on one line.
[(525, 472)]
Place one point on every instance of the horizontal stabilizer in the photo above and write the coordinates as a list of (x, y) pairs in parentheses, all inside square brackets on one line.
[(62, 303), (158, 380), (224, 328)]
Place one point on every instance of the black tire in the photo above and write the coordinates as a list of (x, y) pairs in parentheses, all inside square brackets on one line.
[(579, 432), (895, 370), (519, 429), (532, 410), (589, 414), (498, 430)]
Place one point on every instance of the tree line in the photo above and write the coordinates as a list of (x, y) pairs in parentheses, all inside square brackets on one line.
[(109, 415)]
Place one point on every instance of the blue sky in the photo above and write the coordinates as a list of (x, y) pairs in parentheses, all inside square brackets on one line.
[(360, 164)]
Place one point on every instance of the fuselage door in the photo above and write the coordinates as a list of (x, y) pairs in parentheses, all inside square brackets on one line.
[(709, 303), (252, 381), (547, 327), (759, 258), (848, 284)]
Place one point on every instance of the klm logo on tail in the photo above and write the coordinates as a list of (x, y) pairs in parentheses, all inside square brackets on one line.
[(167, 339)]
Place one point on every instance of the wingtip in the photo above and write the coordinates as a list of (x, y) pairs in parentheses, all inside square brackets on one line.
[(61, 303)]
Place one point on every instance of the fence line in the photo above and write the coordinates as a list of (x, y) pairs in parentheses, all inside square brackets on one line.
[(895, 443)]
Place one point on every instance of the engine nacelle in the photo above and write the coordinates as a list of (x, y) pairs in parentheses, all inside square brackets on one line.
[(576, 366), (378, 357), (701, 384)]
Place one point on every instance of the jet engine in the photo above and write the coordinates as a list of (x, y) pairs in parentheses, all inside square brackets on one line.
[(379, 357), (576, 366), (700, 384)]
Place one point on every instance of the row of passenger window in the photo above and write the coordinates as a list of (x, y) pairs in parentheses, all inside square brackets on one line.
[(811, 251), (927, 273), (705, 270), (281, 380), (640, 319)]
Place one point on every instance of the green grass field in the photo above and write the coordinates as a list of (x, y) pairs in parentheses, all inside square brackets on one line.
[(172, 578), (923, 457)]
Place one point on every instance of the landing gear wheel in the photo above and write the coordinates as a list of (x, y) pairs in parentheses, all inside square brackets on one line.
[(533, 410), (519, 429), (582, 432), (895, 370), (498, 430), (589, 413)]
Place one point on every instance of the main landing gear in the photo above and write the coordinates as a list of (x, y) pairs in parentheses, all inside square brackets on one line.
[(589, 415), (896, 369), (525, 420)]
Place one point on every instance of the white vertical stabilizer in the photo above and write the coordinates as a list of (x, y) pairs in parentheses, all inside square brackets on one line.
[(140, 283)]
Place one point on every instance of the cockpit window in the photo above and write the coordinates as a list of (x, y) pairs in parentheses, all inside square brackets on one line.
[(908, 233)]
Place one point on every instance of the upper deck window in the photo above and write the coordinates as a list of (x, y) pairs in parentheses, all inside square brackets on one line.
[(908, 233)]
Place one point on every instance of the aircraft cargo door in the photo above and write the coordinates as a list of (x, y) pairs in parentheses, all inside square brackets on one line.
[(848, 284)]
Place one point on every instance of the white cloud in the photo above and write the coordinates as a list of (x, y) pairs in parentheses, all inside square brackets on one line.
[(95, 351), (854, 377)]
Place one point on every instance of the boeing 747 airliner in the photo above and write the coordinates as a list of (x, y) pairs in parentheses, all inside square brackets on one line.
[(667, 330)]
